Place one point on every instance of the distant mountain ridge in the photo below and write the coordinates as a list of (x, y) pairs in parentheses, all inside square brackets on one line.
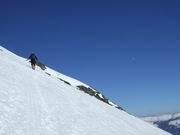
[(167, 122)]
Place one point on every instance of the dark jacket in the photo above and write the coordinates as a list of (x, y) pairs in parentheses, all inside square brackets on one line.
[(33, 58)]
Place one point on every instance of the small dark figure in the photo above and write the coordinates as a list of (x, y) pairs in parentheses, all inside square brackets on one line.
[(33, 60)]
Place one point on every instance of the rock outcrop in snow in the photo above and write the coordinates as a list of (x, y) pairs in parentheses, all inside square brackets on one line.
[(38, 103)]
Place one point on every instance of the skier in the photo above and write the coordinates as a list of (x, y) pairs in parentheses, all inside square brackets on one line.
[(33, 60)]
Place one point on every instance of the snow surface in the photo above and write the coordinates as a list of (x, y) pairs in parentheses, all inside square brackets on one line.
[(100, 95), (111, 103), (33, 103), (175, 123), (73, 82)]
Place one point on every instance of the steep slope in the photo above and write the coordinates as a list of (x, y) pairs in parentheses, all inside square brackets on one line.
[(34, 103), (167, 122), (81, 86)]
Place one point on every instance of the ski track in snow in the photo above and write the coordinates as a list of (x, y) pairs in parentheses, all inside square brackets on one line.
[(33, 103)]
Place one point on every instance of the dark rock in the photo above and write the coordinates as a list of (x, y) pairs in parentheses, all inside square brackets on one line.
[(96, 94), (41, 65), (48, 73), (64, 81), (87, 90)]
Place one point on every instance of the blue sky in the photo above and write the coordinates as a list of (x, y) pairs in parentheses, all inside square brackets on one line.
[(129, 50)]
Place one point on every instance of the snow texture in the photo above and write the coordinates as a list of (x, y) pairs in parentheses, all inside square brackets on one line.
[(175, 123), (34, 103)]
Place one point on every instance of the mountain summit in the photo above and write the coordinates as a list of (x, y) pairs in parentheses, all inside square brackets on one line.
[(45, 102)]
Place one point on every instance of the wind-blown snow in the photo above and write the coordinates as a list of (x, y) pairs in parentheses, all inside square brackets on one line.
[(33, 103)]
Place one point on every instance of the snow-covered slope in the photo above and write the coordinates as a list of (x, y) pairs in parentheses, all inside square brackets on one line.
[(81, 86), (38, 103), (168, 122)]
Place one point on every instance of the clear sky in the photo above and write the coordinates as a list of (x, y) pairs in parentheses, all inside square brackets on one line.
[(128, 49)]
